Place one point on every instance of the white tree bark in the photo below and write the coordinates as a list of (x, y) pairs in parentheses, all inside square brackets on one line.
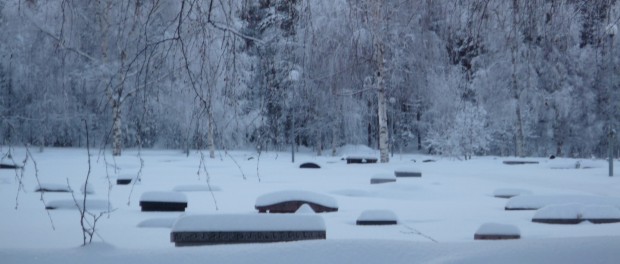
[(379, 51)]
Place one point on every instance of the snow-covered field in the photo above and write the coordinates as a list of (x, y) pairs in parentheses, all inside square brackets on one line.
[(437, 213)]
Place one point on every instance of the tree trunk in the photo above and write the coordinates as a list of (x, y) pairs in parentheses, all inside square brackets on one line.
[(117, 136), (210, 137), (382, 105), (519, 137)]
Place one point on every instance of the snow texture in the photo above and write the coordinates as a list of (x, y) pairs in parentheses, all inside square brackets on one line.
[(577, 211), (384, 176), (158, 222), (53, 187), (510, 192), (249, 222), (305, 209), (196, 188), (89, 189), (284, 196), (159, 196)]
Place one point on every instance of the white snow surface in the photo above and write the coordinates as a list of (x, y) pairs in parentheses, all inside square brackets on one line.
[(510, 192), (577, 211), (539, 201), (498, 229), (196, 188), (377, 215), (58, 187), (249, 222), (161, 196), (384, 176), (296, 195), (449, 206), (158, 222), (305, 209)]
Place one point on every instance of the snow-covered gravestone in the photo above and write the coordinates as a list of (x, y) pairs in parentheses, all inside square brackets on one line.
[(377, 217), (163, 201), (577, 213), (309, 165), (407, 172), (193, 230), (382, 178), (509, 192), (91, 204), (9, 166), (53, 187), (290, 201), (494, 231), (361, 159), (124, 179)]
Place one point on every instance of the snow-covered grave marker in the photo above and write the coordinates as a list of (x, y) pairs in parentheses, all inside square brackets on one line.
[(535, 202), (309, 165), (197, 188), (9, 166), (377, 217), (509, 192), (360, 160), (494, 231), (53, 187), (91, 204), (163, 201), (124, 179), (382, 178), (194, 230), (519, 162), (407, 172), (577, 213), (290, 201)]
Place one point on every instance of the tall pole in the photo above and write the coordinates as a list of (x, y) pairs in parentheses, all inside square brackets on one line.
[(611, 32)]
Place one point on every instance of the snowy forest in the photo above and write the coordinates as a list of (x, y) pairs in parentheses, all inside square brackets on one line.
[(454, 77)]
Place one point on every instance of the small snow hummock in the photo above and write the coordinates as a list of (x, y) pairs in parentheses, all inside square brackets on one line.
[(377, 215), (158, 222), (495, 231), (91, 204), (534, 202), (284, 196), (53, 187), (159, 196), (249, 222), (196, 188), (509, 192), (305, 209), (576, 213)]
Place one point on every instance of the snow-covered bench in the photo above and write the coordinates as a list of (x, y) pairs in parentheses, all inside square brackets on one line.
[(290, 201), (360, 159), (163, 201), (494, 231), (377, 217), (193, 230)]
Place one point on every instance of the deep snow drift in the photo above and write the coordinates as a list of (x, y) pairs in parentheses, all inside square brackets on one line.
[(438, 213)]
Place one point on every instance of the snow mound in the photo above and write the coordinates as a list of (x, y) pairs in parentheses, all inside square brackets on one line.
[(533, 202), (91, 204), (307, 196), (510, 192), (196, 188), (249, 222), (158, 222), (159, 196), (305, 209)]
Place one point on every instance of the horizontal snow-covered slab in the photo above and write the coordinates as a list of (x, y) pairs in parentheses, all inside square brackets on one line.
[(509, 192), (249, 222), (126, 176), (533, 202), (498, 229), (377, 215), (285, 196), (196, 188), (53, 187), (158, 222), (91, 204), (577, 211), (159, 196), (407, 172), (384, 176)]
